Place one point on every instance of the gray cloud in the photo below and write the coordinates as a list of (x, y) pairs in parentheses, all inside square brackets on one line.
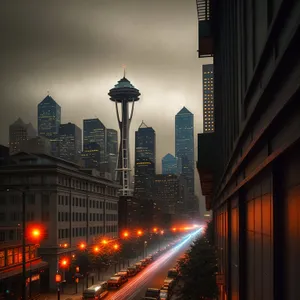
[(76, 49)]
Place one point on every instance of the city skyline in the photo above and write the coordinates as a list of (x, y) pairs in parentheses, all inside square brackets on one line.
[(88, 62)]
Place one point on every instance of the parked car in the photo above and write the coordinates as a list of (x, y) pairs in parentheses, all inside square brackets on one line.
[(114, 282), (123, 275), (96, 292), (173, 273), (164, 295), (132, 271), (153, 292), (139, 266)]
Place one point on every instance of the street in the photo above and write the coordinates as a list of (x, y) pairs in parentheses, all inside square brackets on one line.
[(154, 275)]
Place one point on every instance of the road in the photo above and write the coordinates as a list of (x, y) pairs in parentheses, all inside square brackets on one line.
[(154, 274)]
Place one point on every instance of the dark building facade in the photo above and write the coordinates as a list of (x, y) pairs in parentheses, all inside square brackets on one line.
[(112, 141), (171, 165), (145, 155), (70, 142), (91, 156), (184, 145), (95, 132), (49, 119), (169, 198), (249, 167), (208, 98)]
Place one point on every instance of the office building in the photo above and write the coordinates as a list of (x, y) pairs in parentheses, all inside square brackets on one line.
[(184, 145), (91, 156), (49, 120), (171, 165), (95, 132), (249, 167), (112, 141), (4, 155), (19, 132), (145, 155), (72, 204), (36, 145), (170, 199), (70, 142), (208, 98)]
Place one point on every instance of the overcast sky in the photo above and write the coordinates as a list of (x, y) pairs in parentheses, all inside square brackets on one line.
[(76, 49)]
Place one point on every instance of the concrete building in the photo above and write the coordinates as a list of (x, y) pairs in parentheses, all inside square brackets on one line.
[(70, 142), (208, 98), (73, 204), (249, 167), (171, 165), (19, 132), (49, 120)]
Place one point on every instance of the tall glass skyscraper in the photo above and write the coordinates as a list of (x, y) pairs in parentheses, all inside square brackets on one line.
[(208, 98), (171, 165), (184, 145), (112, 141), (49, 119), (70, 142), (145, 155), (95, 132)]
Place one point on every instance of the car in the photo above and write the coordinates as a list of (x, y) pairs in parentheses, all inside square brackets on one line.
[(139, 266), (164, 295), (153, 292), (123, 275), (144, 262), (114, 282), (96, 292), (131, 271), (172, 273)]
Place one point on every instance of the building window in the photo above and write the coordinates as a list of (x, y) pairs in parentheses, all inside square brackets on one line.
[(2, 259), (9, 258)]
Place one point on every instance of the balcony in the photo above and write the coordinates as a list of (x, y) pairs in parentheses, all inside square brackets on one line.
[(205, 40), (206, 165)]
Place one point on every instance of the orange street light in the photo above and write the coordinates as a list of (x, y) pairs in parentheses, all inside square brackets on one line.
[(96, 249), (34, 233), (64, 263), (116, 246), (162, 232), (154, 229), (125, 234), (104, 242), (174, 229), (139, 232), (82, 246)]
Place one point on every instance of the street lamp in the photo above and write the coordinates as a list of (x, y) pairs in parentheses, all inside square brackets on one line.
[(145, 245)]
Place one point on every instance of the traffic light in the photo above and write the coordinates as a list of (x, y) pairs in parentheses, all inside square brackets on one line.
[(57, 278), (77, 269), (64, 263)]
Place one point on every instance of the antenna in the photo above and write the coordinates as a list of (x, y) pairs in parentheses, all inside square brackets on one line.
[(124, 70)]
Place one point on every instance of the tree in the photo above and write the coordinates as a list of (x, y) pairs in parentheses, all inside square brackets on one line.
[(198, 270)]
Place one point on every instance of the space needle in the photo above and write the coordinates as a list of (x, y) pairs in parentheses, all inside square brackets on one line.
[(124, 94)]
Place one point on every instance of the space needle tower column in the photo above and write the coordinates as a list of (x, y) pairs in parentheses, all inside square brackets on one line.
[(124, 94)]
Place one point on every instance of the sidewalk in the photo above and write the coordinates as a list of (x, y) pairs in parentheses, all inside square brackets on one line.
[(68, 292)]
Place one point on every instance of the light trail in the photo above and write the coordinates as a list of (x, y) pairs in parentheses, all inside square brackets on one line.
[(132, 288)]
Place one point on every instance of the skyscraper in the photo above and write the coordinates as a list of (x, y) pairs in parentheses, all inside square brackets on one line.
[(49, 119), (145, 154), (91, 156), (95, 132), (208, 98), (70, 142), (112, 141), (18, 133), (184, 145), (171, 165)]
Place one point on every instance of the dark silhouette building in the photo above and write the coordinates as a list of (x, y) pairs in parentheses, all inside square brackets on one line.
[(49, 119), (145, 156), (184, 148), (70, 142), (249, 167)]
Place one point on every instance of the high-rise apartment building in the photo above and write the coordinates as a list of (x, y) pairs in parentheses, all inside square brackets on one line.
[(70, 142), (171, 165), (208, 98), (184, 145), (145, 155), (18, 133), (249, 167), (95, 132), (49, 119)]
